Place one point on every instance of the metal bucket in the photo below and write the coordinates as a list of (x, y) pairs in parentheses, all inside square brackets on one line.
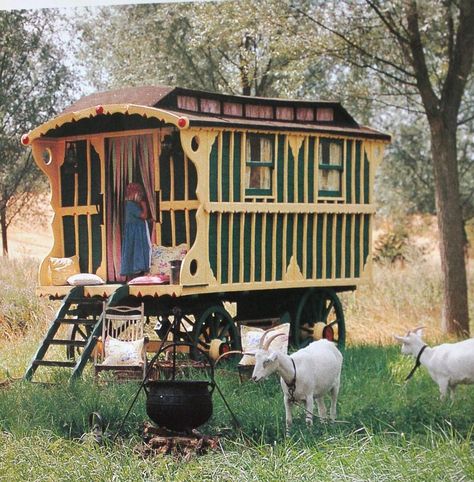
[(179, 405), (175, 268)]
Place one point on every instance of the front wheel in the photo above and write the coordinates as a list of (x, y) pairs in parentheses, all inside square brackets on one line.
[(319, 314)]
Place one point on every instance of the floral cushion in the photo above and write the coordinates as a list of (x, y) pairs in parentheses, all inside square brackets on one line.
[(123, 353), (83, 279), (162, 255), (250, 337), (62, 269)]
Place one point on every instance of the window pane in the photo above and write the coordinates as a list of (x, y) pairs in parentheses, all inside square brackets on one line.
[(258, 177), (329, 180), (330, 152), (253, 148), (335, 154), (259, 149), (266, 146)]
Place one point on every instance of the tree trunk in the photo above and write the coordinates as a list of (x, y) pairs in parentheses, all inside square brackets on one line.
[(443, 146), (4, 227)]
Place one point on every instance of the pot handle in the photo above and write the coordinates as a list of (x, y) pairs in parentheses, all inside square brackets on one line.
[(184, 343)]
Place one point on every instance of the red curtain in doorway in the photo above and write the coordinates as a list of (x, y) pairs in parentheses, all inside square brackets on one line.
[(129, 159)]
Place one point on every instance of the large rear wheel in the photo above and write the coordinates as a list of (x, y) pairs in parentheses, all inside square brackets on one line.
[(319, 314)]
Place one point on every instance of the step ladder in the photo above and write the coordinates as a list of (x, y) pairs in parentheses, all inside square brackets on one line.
[(76, 310)]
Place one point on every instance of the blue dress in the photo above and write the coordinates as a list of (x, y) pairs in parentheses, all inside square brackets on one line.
[(136, 246)]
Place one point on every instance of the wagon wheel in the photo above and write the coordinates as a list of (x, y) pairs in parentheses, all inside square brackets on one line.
[(77, 333), (215, 332), (319, 315)]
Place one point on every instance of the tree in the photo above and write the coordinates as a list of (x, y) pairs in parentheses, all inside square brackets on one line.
[(33, 81), (425, 56), (406, 182), (232, 47)]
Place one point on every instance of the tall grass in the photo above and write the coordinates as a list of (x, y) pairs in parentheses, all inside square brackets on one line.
[(397, 299), (24, 317), (21, 310)]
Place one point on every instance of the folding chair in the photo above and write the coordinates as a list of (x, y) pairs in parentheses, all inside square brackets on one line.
[(122, 346)]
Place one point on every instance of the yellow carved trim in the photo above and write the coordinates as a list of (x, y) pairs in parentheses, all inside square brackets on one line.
[(293, 271), (130, 109), (288, 208)]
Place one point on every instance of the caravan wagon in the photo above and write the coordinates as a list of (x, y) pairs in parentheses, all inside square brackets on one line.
[(265, 205)]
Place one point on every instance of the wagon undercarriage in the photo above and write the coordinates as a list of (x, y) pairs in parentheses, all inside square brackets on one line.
[(209, 323)]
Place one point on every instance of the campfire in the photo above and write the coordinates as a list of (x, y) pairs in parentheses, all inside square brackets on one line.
[(159, 441)]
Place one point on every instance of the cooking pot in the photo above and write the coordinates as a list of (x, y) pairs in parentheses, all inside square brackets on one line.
[(179, 405)]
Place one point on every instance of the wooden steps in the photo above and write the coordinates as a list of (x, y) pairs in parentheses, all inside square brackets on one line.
[(82, 316)]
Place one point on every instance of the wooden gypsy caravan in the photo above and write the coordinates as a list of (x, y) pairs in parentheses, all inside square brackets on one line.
[(268, 203)]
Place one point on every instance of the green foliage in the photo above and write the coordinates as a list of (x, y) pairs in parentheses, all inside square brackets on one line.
[(234, 47), (405, 181), (33, 84)]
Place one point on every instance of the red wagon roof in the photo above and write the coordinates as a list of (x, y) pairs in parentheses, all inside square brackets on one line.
[(205, 109)]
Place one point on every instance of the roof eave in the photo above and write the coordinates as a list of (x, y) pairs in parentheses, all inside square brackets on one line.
[(180, 121)]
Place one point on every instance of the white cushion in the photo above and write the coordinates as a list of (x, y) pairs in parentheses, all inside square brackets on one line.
[(250, 337), (120, 353), (85, 279)]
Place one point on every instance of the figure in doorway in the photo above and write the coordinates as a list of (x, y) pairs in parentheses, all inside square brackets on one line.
[(136, 245)]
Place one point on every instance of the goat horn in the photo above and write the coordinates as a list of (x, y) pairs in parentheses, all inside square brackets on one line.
[(415, 329), (262, 339), (232, 352), (266, 332), (269, 341)]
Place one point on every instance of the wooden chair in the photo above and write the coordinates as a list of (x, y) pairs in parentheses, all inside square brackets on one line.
[(122, 347)]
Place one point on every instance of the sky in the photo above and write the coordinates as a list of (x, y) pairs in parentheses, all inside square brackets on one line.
[(31, 4)]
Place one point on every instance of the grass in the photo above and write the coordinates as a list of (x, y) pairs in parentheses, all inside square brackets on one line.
[(387, 429)]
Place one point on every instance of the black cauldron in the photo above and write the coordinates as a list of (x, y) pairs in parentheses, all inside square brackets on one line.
[(179, 405)]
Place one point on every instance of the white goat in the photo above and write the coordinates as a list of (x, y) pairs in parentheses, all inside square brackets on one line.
[(309, 373), (449, 364)]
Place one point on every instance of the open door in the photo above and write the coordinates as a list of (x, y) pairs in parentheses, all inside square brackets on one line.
[(129, 158)]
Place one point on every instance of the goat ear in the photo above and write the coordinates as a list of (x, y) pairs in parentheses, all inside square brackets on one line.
[(272, 356), (401, 339)]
